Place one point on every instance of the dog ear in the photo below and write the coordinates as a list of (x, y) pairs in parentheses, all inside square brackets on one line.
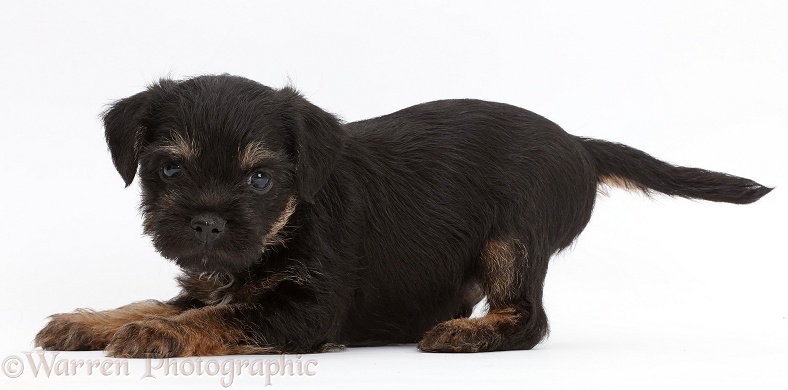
[(318, 139), (125, 133)]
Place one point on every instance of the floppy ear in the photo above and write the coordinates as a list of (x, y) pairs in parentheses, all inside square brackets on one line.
[(125, 133), (318, 140)]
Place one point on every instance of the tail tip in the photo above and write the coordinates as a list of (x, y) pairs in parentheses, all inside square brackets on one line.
[(762, 191), (755, 192)]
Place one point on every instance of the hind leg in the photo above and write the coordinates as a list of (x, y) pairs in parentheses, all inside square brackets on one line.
[(512, 277)]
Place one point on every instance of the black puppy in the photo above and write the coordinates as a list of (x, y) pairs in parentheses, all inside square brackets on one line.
[(297, 233)]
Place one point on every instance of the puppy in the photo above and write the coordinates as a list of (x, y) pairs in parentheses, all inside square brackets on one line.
[(297, 233)]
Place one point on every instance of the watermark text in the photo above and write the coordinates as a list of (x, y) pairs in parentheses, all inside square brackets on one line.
[(47, 364)]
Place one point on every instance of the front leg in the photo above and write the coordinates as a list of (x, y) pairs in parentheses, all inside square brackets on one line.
[(205, 331), (88, 330), (289, 319)]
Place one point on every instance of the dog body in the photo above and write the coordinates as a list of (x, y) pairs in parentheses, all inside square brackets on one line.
[(447, 200), (297, 233)]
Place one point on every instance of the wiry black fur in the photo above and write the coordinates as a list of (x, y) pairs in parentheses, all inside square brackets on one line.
[(648, 174), (394, 214)]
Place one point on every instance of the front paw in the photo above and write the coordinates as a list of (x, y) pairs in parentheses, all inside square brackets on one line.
[(152, 338), (70, 332)]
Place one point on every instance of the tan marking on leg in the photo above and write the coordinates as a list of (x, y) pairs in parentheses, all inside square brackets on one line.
[(273, 237), (256, 153), (471, 334), (196, 332), (210, 336), (92, 330), (499, 273)]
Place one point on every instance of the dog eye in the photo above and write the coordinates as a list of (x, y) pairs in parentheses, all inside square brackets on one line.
[(260, 181), (171, 170)]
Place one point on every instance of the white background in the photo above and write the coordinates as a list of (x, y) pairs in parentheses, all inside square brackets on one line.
[(656, 293)]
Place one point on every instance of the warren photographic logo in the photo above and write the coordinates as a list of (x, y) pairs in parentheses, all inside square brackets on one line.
[(46, 364)]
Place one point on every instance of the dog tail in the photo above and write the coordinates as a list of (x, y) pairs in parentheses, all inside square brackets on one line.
[(622, 166)]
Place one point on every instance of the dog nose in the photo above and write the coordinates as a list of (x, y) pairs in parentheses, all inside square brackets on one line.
[(208, 227)]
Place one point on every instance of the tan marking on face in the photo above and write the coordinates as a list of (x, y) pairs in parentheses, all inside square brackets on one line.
[(256, 153), (181, 147), (139, 138), (165, 201), (498, 268), (147, 224), (273, 237), (168, 199)]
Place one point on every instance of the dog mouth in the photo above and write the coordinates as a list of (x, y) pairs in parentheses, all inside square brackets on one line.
[(225, 254), (211, 260), (205, 242)]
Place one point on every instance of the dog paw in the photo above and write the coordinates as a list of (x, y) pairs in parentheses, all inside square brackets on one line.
[(460, 335), (70, 332), (152, 338)]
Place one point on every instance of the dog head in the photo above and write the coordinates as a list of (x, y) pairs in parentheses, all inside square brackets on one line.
[(223, 163)]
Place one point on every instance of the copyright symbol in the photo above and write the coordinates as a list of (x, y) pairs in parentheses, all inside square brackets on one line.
[(13, 366)]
